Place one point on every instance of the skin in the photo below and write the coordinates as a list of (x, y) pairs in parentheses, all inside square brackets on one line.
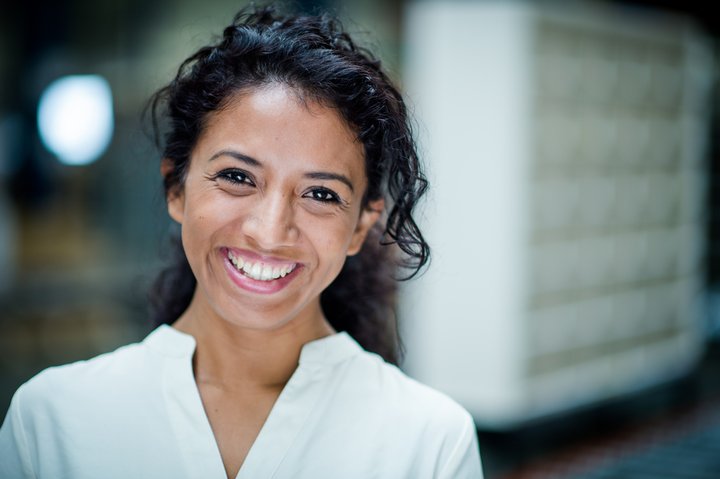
[(249, 342)]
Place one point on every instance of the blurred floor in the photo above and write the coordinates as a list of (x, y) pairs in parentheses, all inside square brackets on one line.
[(668, 432)]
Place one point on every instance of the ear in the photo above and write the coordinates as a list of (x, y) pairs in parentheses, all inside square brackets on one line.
[(175, 198), (368, 217)]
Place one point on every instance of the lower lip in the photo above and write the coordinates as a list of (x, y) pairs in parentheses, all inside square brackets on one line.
[(254, 285)]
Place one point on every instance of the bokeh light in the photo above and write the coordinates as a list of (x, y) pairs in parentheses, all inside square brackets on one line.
[(75, 118)]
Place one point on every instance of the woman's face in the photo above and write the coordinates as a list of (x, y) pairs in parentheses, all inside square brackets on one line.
[(271, 207)]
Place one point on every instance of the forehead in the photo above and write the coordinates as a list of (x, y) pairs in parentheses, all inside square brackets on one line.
[(275, 123)]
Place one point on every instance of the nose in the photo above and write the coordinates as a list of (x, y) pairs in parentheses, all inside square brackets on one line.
[(271, 223)]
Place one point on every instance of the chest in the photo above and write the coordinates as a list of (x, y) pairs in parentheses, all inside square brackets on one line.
[(236, 419)]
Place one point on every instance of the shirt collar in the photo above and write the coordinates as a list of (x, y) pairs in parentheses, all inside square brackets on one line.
[(328, 350), (170, 342)]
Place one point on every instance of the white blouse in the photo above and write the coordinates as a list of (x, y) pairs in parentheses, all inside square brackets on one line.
[(137, 413)]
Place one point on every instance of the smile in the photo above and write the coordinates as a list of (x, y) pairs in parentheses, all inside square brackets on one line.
[(258, 270)]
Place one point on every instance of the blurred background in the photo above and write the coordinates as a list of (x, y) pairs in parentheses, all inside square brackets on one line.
[(572, 304)]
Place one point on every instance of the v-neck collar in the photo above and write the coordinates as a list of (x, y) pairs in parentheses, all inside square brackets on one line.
[(286, 419), (325, 351)]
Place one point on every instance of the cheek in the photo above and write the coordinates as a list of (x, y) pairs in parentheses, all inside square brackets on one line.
[(332, 242), (206, 212), (202, 220)]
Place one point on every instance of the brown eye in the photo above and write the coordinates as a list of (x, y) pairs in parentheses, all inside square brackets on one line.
[(323, 195), (237, 177)]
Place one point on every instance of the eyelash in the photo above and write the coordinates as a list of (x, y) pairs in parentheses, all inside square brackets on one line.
[(327, 196), (231, 176), (239, 177)]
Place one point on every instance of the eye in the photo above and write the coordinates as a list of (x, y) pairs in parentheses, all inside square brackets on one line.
[(236, 177), (323, 195)]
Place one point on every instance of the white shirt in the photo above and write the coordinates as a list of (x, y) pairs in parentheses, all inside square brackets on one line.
[(137, 413)]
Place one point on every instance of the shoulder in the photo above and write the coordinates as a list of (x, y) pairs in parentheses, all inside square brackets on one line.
[(92, 381), (399, 390), (71, 415), (433, 431), (119, 361), (402, 403)]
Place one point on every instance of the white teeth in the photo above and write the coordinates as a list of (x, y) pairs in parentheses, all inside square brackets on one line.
[(260, 271), (256, 271), (238, 262)]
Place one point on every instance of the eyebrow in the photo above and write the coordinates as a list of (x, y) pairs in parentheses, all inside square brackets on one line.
[(324, 175), (238, 156), (315, 175)]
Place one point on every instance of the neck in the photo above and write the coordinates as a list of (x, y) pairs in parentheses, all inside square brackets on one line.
[(232, 357)]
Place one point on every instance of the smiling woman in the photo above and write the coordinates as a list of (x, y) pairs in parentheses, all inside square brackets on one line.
[(290, 166), (271, 205)]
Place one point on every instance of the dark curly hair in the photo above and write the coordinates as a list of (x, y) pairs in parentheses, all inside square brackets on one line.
[(314, 56)]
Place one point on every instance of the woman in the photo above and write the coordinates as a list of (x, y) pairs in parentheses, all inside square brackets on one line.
[(285, 146)]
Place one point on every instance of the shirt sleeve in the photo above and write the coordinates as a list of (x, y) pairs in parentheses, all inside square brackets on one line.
[(464, 459), (14, 449)]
